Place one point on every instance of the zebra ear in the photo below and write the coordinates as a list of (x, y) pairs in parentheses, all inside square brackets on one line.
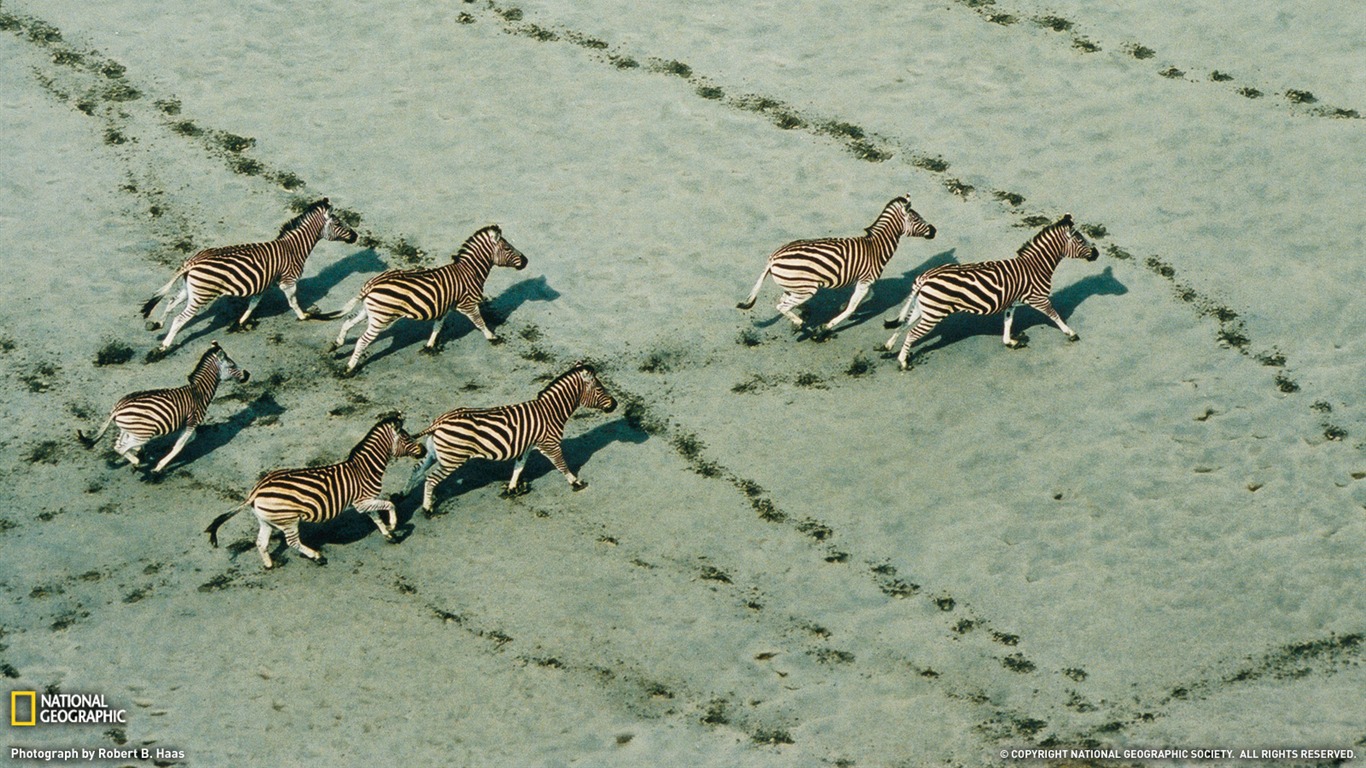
[(325, 202), (1066, 219)]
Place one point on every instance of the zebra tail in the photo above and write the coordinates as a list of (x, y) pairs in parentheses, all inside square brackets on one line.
[(89, 442), (151, 303), (212, 530), (346, 310), (754, 294)]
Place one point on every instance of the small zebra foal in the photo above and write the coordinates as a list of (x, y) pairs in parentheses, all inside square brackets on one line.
[(988, 287), (428, 294), (802, 267), (510, 432), (285, 497), (143, 416), (248, 270)]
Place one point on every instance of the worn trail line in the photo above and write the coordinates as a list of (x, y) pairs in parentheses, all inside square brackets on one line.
[(1301, 101)]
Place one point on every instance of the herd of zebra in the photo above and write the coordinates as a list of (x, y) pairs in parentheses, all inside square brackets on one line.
[(284, 498)]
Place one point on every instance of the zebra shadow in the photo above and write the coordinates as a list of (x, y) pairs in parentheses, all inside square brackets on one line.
[(477, 474), (963, 325), (212, 436), (888, 292), (406, 332)]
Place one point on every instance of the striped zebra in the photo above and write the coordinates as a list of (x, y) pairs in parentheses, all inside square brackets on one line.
[(143, 416), (989, 287), (428, 294), (286, 497), (248, 270), (510, 432), (802, 267)]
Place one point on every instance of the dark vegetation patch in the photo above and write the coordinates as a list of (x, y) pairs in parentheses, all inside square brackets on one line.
[(748, 337), (1009, 198), (1035, 221), (406, 252), (1295, 96), (1076, 674), (815, 529), (934, 164), (710, 92), (1118, 253), (1160, 267), (1055, 23), (232, 142), (1016, 662), (1094, 231), (624, 62), (1251, 93), (1004, 19), (44, 452), (755, 383), (959, 187), (1085, 45), (40, 378), (660, 361), (1219, 77), (717, 712), (712, 573), (671, 67), (187, 128), (832, 656), (809, 381), (771, 736), (1172, 73), (861, 365), (113, 353), (639, 416), (1005, 638), (945, 603), (168, 106), (1286, 384), (1139, 51), (890, 584), (964, 626)]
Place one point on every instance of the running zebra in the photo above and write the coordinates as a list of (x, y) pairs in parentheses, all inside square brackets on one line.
[(428, 294), (510, 432), (143, 416), (802, 267), (285, 497), (248, 270), (989, 287)]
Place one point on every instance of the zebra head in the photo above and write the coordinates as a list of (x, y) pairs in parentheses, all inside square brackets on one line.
[(333, 228), (505, 254), (593, 394), (913, 224), (227, 367), (1076, 246), (401, 443)]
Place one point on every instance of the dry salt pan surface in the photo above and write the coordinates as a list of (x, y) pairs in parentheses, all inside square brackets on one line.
[(789, 553)]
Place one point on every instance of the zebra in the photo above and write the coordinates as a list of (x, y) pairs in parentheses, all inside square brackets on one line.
[(510, 432), (285, 497), (802, 267), (248, 270), (143, 416), (428, 294), (988, 287)]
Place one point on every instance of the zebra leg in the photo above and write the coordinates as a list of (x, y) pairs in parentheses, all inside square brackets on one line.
[(791, 301), (860, 290), (290, 290), (185, 436), (478, 319), (430, 347), (128, 446), (551, 450), (170, 305), (372, 331), (263, 544), (513, 489), (1006, 338), (372, 508), (434, 478), (291, 533), (1045, 306), (918, 331), (241, 324), (192, 306)]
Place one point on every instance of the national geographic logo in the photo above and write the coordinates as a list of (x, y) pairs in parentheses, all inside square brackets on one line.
[(30, 708)]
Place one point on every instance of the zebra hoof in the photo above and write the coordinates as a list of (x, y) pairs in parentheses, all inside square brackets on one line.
[(496, 340), (320, 559), (431, 351), (333, 346), (890, 324), (1074, 337), (512, 491), (578, 485), (821, 335)]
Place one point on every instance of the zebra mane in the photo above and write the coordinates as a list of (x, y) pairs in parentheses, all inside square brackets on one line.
[(212, 350), (1064, 222), (902, 199), (574, 371), (470, 242), (297, 221), (393, 418)]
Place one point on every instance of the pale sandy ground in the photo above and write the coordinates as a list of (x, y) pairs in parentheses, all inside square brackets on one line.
[(1061, 545)]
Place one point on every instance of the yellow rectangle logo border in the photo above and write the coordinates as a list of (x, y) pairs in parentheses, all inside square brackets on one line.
[(14, 697)]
